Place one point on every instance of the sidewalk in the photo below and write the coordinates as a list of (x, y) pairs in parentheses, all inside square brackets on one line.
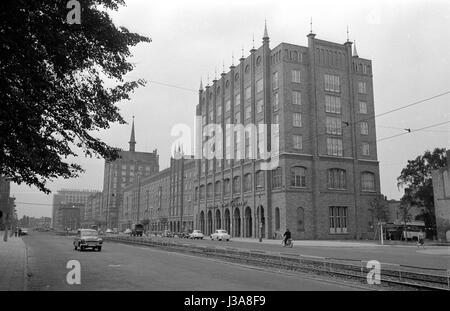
[(316, 243), (12, 264)]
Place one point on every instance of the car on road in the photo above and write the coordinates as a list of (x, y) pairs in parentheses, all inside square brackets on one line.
[(87, 238), (24, 231), (109, 231), (196, 234), (220, 235), (167, 234), (127, 231)]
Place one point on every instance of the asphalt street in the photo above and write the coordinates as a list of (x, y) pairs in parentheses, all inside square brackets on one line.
[(127, 267)]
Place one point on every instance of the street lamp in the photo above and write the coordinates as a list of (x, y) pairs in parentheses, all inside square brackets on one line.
[(259, 214)]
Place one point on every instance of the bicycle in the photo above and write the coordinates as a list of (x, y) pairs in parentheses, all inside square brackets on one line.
[(288, 243)]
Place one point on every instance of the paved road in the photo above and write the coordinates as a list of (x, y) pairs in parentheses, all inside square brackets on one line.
[(128, 267), (429, 257)]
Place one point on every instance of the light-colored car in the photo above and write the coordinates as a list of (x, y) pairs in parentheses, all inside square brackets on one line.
[(220, 235), (127, 231), (196, 234), (87, 238)]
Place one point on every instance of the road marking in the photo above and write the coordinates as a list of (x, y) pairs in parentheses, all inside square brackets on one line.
[(114, 266)]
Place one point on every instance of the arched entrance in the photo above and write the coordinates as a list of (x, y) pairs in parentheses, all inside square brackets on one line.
[(226, 220), (262, 220), (248, 222), (209, 223), (218, 220), (237, 222), (202, 222)]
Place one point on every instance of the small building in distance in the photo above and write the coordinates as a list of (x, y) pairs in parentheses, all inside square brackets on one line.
[(441, 191)]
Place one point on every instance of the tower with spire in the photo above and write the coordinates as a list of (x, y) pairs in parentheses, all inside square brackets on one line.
[(132, 141)]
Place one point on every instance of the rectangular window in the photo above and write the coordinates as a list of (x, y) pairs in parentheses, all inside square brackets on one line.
[(248, 93), (237, 117), (248, 112), (219, 111), (334, 147), (367, 181), (296, 98), (297, 141), (259, 85), (332, 83), (227, 105), (333, 104), (365, 149), (275, 80), (276, 178), (363, 107), (259, 106), (338, 219), (297, 119), (237, 100), (276, 103), (362, 87), (364, 128), (296, 76), (334, 125)]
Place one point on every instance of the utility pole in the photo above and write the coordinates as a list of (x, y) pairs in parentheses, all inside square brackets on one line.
[(381, 233)]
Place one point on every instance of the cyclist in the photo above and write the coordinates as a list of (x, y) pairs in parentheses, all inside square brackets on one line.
[(287, 236)]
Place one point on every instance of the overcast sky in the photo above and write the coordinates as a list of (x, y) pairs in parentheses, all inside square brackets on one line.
[(407, 41)]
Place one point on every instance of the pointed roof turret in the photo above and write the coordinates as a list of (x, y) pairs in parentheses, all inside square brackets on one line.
[(201, 85), (266, 35), (355, 53), (132, 141)]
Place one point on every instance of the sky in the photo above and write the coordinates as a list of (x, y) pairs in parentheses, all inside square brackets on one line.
[(407, 41)]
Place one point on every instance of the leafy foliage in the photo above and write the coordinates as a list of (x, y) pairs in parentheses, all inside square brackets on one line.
[(53, 78), (379, 208), (416, 179)]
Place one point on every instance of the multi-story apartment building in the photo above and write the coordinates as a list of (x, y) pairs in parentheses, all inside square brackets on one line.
[(93, 213), (163, 200), (5, 206), (121, 172), (68, 206), (321, 96)]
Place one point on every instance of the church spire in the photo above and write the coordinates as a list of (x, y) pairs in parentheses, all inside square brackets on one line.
[(266, 35), (132, 141)]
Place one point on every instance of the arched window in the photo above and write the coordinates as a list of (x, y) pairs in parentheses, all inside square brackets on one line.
[(218, 91), (277, 178), (258, 61), (277, 219), (196, 194), (209, 190), (236, 77), (227, 84), (367, 181), (337, 179), (247, 182), (202, 192), (259, 179), (300, 219), (217, 189), (298, 176), (226, 184), (247, 69), (237, 184)]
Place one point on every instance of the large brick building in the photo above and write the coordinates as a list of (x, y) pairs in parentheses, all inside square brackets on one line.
[(122, 172), (322, 98), (163, 200)]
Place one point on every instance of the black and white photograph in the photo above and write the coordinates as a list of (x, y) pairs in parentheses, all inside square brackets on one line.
[(226, 152)]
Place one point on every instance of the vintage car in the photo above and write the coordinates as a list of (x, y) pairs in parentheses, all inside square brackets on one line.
[(87, 238), (220, 235), (196, 234)]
